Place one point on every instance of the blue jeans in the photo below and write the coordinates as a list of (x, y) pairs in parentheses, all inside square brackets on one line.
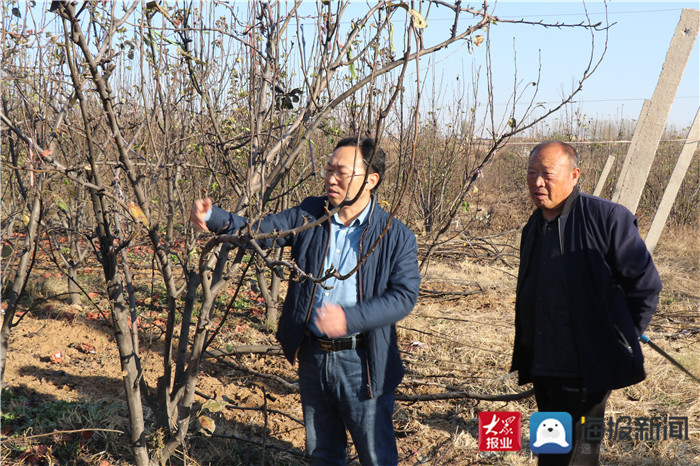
[(334, 397)]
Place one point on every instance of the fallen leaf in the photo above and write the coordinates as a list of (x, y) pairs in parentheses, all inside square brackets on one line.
[(62, 205), (41, 450), (57, 357), (36, 455), (213, 406), (206, 425), (87, 349)]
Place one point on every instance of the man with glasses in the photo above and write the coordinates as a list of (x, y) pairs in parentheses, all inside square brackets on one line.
[(342, 332)]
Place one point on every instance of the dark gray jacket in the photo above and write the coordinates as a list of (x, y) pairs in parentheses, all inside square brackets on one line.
[(613, 290)]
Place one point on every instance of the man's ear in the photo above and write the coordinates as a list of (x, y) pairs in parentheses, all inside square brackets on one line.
[(575, 174), (372, 181)]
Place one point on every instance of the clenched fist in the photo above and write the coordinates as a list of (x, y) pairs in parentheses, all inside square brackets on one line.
[(331, 320)]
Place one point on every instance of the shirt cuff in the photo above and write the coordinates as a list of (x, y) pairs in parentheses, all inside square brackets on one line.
[(208, 216)]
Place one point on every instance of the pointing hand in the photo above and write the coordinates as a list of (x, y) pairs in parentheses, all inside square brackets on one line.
[(200, 207)]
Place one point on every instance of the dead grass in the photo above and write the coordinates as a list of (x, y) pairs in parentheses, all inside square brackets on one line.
[(464, 344)]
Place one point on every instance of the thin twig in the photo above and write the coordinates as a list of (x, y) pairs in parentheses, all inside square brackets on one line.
[(60, 432), (280, 380), (431, 293)]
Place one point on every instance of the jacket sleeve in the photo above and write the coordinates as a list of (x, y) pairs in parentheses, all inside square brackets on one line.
[(223, 222), (400, 295), (633, 267)]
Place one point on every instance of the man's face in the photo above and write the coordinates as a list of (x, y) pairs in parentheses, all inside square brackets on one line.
[(344, 174), (551, 179)]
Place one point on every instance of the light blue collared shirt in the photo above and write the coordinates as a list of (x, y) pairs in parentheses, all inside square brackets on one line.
[(343, 253)]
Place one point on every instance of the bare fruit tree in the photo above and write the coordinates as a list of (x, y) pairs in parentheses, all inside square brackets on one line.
[(140, 108)]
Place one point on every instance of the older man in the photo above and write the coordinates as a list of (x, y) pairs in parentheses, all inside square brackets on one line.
[(587, 288), (343, 334)]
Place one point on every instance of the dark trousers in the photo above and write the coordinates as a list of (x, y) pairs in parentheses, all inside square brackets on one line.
[(567, 394)]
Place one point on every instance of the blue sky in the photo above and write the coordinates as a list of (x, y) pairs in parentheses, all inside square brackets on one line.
[(637, 47)]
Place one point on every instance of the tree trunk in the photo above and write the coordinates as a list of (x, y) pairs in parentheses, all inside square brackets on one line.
[(73, 290), (21, 277), (127, 353)]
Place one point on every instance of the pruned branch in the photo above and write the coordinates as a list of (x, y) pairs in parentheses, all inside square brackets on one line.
[(465, 394)]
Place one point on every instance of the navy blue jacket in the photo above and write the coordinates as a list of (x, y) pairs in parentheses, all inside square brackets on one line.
[(387, 285), (613, 290)]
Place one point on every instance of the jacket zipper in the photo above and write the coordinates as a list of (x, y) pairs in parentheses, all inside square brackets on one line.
[(624, 341), (359, 299)]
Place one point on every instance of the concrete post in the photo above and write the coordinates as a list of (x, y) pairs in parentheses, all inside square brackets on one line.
[(623, 178), (604, 175), (674, 184), (654, 123)]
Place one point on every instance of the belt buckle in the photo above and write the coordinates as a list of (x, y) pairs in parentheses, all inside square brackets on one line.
[(325, 345)]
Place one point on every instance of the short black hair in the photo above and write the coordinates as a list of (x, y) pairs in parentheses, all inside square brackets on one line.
[(367, 148), (567, 149)]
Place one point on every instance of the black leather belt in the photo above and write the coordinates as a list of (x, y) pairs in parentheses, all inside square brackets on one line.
[(337, 344)]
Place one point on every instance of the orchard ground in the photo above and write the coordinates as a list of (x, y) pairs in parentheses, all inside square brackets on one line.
[(63, 372)]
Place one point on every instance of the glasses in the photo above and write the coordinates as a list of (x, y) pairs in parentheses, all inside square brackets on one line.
[(340, 175)]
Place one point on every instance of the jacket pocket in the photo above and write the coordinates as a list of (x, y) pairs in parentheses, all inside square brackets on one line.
[(623, 341)]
